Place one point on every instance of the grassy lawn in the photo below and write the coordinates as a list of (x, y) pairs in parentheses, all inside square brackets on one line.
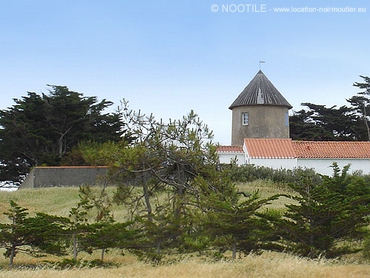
[(60, 200), (267, 189), (51, 200)]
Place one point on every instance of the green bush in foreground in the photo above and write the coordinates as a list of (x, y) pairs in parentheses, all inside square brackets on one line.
[(34, 235), (328, 215)]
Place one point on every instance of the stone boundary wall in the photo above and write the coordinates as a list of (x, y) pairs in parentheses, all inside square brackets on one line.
[(64, 176)]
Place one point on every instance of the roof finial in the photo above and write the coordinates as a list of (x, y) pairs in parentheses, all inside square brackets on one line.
[(261, 62)]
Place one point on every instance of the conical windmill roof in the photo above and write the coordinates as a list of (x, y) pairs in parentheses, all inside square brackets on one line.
[(260, 91)]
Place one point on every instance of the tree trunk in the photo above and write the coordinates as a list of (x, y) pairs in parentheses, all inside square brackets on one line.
[(60, 146), (61, 150), (234, 251), (158, 247), (12, 255), (147, 198), (75, 251), (102, 254), (366, 123), (180, 190)]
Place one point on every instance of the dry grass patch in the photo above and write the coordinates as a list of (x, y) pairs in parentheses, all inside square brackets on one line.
[(269, 264)]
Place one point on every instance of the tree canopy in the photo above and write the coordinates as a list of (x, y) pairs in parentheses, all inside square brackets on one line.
[(329, 214), (42, 129), (346, 123)]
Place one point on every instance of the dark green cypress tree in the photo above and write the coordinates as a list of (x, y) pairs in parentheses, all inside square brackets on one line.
[(327, 214)]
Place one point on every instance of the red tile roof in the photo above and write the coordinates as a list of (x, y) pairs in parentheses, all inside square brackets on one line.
[(269, 148), (230, 149), (331, 149), (287, 148)]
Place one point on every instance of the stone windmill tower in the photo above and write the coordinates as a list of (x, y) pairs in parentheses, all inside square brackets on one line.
[(260, 111)]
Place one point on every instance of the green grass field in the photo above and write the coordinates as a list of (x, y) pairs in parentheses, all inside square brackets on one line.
[(60, 200)]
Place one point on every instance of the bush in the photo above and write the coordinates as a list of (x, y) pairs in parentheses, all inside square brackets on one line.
[(72, 263), (328, 214), (366, 248), (249, 173)]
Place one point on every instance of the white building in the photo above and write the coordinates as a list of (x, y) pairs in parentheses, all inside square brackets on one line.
[(260, 136), (289, 154)]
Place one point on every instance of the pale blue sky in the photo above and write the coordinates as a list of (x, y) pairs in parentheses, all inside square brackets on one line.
[(168, 57)]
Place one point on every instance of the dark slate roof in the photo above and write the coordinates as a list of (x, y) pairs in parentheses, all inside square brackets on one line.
[(260, 91)]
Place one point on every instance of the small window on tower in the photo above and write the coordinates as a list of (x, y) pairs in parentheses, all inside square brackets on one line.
[(245, 118)]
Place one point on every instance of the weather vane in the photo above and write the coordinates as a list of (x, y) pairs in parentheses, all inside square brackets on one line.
[(261, 62)]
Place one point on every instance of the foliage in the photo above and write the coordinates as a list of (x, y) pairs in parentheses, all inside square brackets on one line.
[(366, 248), (348, 123), (361, 103), (174, 160), (80, 227), (42, 129), (239, 226), (34, 235), (108, 235), (322, 123), (92, 225), (72, 263), (327, 214), (250, 172)]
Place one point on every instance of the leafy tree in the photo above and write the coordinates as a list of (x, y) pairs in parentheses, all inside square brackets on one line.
[(174, 155), (78, 225), (166, 231), (93, 227), (33, 235), (329, 213), (171, 154), (239, 225), (361, 103), (42, 129), (48, 234), (177, 160), (13, 235), (322, 123), (361, 106), (303, 127), (85, 235), (319, 122), (105, 235)]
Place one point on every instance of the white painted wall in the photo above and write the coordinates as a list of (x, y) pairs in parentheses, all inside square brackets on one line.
[(225, 158), (321, 166)]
